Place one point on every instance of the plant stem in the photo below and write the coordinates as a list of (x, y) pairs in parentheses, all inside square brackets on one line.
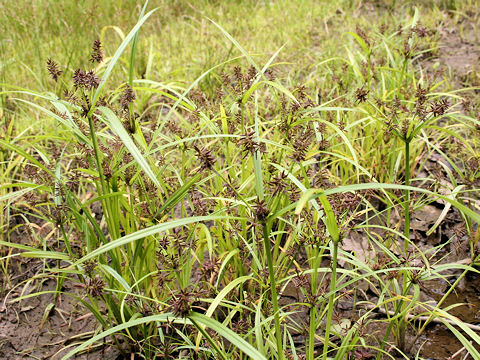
[(311, 335), (406, 206), (209, 339), (312, 328), (273, 291), (97, 158), (331, 300), (406, 210)]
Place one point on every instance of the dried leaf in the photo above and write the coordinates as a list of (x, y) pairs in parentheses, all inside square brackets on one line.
[(360, 245)]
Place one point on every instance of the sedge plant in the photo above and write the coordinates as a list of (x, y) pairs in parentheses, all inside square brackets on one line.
[(212, 200)]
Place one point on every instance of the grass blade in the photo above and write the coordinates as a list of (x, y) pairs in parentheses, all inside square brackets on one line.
[(117, 127)]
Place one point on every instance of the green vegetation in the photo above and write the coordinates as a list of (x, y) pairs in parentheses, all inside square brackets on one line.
[(237, 152)]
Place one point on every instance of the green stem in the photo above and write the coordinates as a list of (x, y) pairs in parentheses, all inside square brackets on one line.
[(311, 334), (242, 110), (66, 241), (404, 70), (331, 300), (96, 153), (105, 203), (237, 194), (406, 206), (380, 353), (406, 209), (273, 291), (209, 339), (313, 310)]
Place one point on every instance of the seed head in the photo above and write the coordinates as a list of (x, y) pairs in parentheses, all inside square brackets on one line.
[(270, 74), (421, 94), (399, 30), (87, 80), (251, 73), (278, 184), (382, 28), (97, 52), (261, 210), (107, 169), (301, 144), (79, 78), (70, 97), (210, 268), (362, 34), (201, 206), (237, 73), (294, 107), (95, 286), (198, 97), (466, 104), (420, 30), (92, 80), (248, 143), (182, 304), (421, 111), (323, 144), (206, 158), (361, 94), (438, 108), (226, 80), (59, 214), (53, 69), (127, 97), (407, 49), (89, 267), (241, 326)]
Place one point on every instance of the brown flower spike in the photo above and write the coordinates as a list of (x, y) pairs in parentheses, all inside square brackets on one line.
[(97, 52), (206, 158), (53, 69)]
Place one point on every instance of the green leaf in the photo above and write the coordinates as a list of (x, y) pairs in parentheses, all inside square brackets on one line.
[(228, 334), (40, 254), (358, 187), (27, 156), (116, 125), (237, 45), (17, 246), (304, 199), (224, 265), (69, 123), (110, 271), (18, 193), (360, 42), (179, 194), (257, 161), (221, 295), (139, 321), (46, 314), (134, 47), (115, 58), (467, 344), (148, 232), (331, 221)]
